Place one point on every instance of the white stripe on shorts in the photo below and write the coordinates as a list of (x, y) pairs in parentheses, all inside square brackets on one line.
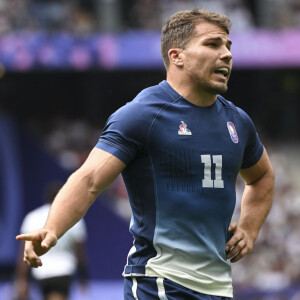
[(161, 289), (134, 288)]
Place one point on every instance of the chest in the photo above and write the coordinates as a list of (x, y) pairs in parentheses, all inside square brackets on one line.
[(204, 149)]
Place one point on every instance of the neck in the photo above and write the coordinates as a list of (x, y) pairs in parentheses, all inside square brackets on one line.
[(191, 93)]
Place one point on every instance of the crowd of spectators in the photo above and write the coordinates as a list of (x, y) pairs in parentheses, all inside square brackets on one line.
[(73, 16), (149, 14), (88, 16), (275, 262)]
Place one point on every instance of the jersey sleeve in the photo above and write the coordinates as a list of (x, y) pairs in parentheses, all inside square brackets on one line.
[(126, 132), (254, 148)]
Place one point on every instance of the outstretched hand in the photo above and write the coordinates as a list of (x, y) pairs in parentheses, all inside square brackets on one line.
[(37, 243), (240, 243)]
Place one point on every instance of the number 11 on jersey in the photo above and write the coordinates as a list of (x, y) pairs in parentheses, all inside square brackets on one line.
[(208, 182)]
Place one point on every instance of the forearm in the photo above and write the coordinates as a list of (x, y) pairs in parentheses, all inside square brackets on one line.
[(81, 190), (71, 203), (256, 204)]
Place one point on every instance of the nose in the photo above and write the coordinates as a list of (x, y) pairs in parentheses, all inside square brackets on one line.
[(226, 54)]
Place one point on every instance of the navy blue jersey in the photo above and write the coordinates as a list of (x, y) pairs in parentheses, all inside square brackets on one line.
[(182, 164)]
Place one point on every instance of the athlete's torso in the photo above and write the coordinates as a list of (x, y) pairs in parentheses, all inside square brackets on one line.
[(181, 186)]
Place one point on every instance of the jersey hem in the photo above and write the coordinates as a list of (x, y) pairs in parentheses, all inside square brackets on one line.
[(221, 292)]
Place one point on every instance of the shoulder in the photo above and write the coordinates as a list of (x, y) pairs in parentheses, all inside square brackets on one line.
[(144, 107), (129, 128), (150, 97), (155, 93), (235, 109), (227, 104)]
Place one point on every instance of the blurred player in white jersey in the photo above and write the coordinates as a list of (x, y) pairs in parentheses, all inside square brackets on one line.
[(61, 264)]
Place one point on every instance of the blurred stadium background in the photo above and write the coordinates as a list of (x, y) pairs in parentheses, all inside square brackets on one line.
[(66, 65)]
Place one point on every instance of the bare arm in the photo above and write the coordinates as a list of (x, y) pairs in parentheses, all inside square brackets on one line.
[(72, 202), (81, 190), (256, 203)]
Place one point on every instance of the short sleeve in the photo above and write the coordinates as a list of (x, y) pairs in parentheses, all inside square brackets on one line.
[(254, 148), (126, 131)]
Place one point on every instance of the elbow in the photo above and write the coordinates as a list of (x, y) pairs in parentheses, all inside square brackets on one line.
[(266, 183), (267, 177), (270, 177), (85, 184), (268, 180), (94, 187)]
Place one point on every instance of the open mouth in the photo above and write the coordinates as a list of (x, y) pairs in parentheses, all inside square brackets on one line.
[(222, 71)]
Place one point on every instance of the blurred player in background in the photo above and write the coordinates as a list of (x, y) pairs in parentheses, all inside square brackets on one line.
[(61, 264), (180, 147)]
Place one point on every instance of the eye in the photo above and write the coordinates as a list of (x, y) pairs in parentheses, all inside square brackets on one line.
[(213, 45)]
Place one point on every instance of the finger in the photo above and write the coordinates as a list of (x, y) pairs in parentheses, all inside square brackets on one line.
[(26, 237), (33, 262), (236, 249), (233, 242), (236, 238), (232, 226), (31, 258), (48, 242), (239, 256)]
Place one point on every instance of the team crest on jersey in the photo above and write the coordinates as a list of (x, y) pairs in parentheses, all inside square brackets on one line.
[(183, 130), (232, 132)]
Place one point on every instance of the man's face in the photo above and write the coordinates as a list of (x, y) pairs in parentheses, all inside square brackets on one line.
[(207, 59)]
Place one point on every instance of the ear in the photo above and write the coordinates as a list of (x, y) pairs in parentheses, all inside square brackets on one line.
[(176, 56)]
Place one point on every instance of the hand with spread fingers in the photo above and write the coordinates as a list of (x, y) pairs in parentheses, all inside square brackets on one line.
[(240, 243), (37, 243)]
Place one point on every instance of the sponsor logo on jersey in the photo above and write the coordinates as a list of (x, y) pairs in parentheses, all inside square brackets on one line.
[(232, 132), (183, 130)]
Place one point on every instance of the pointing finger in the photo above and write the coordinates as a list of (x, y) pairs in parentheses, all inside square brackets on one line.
[(45, 238), (26, 237)]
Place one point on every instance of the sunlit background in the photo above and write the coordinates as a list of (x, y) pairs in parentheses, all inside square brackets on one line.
[(66, 65)]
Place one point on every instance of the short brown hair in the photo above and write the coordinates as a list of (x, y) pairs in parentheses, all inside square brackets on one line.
[(179, 28)]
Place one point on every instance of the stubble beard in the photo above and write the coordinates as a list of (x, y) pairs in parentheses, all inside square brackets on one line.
[(209, 85), (216, 88)]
